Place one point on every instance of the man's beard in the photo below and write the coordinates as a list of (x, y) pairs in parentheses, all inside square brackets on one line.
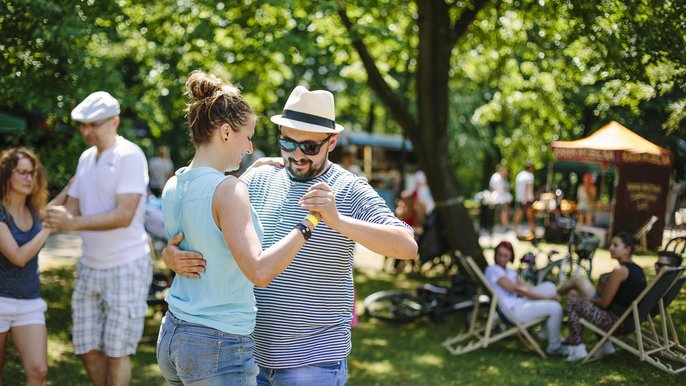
[(305, 173)]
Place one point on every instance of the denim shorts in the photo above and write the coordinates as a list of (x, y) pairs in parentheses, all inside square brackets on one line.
[(318, 374), (193, 354)]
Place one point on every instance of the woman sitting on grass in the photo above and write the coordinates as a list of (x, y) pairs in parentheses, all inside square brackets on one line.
[(603, 305), (524, 302)]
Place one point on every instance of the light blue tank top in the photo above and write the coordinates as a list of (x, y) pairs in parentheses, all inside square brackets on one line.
[(223, 297)]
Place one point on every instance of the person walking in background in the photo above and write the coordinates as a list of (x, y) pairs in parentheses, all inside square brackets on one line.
[(161, 169), (423, 193), (585, 197), (303, 328), (524, 187), (500, 195), (106, 202), (23, 194), (205, 336)]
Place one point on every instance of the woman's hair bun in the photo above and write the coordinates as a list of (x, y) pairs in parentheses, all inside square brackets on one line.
[(201, 85)]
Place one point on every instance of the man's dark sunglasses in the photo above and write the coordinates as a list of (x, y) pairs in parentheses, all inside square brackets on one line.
[(308, 148)]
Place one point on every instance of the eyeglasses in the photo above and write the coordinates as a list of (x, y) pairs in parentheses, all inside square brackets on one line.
[(308, 148), (24, 173), (658, 266), (94, 125)]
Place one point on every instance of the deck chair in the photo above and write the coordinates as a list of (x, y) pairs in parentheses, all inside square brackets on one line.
[(629, 323), (677, 245), (480, 336), (668, 337), (642, 233)]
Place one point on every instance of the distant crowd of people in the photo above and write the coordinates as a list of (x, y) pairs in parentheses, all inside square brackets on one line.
[(499, 197)]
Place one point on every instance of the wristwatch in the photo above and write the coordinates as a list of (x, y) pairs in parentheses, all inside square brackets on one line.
[(304, 229)]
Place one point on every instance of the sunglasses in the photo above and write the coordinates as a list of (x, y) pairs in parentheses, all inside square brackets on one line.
[(308, 148), (660, 265)]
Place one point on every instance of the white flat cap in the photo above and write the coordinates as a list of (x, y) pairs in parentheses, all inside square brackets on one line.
[(97, 106)]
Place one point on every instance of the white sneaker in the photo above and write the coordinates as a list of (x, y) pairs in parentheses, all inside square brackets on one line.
[(577, 353), (606, 349)]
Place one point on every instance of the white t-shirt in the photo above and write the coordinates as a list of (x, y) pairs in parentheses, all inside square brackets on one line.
[(500, 189), (121, 169), (508, 299), (524, 186)]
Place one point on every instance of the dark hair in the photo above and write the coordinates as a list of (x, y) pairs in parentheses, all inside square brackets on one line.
[(9, 159), (674, 258), (627, 239), (213, 103), (507, 245)]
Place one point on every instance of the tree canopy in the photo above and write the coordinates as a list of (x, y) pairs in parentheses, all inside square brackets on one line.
[(471, 83)]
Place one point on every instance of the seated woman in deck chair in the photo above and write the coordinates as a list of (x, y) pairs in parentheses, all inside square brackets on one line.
[(603, 305), (524, 302)]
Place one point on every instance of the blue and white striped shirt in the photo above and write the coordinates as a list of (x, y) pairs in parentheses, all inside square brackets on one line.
[(304, 314)]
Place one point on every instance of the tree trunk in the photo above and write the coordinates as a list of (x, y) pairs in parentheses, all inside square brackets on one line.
[(430, 137), (429, 133)]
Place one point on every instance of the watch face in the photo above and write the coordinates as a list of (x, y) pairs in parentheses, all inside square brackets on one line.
[(304, 230)]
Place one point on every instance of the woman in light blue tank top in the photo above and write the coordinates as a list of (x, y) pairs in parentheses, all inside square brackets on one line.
[(205, 336), (23, 194)]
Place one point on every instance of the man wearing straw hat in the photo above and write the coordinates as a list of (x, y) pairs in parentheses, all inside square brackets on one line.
[(302, 334)]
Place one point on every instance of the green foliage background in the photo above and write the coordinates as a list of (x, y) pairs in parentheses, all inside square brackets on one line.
[(528, 72)]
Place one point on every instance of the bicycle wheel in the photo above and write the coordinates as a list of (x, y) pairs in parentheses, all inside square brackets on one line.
[(394, 305), (569, 269)]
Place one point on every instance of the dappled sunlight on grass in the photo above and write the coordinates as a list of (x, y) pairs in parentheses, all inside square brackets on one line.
[(429, 359)]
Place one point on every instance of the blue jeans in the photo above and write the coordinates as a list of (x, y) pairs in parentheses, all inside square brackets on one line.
[(193, 354), (319, 374)]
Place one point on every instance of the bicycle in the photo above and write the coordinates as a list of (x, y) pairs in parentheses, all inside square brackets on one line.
[(581, 247), (427, 300)]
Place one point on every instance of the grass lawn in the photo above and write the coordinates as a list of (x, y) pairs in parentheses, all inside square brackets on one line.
[(383, 353)]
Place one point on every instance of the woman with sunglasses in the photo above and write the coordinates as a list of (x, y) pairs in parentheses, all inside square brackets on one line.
[(23, 193), (205, 336), (613, 295)]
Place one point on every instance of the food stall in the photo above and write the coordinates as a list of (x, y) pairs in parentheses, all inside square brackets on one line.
[(383, 158), (642, 172)]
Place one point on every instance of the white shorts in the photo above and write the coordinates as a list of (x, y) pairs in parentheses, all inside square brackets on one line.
[(21, 312)]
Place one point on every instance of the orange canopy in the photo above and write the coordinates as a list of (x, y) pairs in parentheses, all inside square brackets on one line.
[(612, 143)]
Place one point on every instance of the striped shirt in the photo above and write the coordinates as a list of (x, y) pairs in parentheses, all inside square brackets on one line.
[(304, 314)]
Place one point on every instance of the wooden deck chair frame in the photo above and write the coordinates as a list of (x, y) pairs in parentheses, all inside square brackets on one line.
[(646, 347), (642, 233), (668, 338), (479, 336)]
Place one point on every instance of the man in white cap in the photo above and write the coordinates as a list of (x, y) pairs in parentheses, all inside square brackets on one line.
[(106, 202), (302, 335)]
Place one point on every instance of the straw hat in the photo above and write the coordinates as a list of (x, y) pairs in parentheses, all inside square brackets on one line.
[(309, 111)]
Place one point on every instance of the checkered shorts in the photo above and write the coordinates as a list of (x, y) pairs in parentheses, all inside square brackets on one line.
[(109, 306)]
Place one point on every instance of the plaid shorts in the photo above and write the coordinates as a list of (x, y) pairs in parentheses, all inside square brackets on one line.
[(109, 306)]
